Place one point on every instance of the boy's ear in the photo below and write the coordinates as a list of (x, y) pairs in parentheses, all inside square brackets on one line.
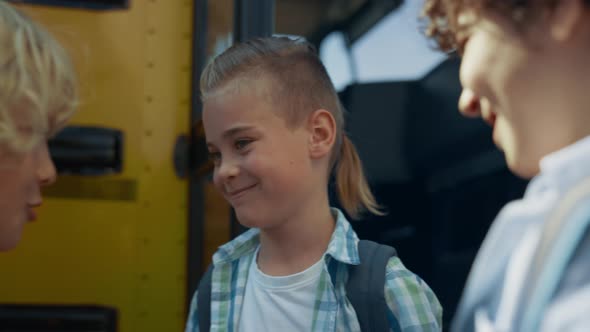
[(565, 18), (322, 129)]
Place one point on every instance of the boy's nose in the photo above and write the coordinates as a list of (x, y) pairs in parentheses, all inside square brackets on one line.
[(227, 170), (469, 104), (46, 172)]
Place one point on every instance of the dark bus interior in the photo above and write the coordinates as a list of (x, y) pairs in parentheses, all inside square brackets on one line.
[(439, 176)]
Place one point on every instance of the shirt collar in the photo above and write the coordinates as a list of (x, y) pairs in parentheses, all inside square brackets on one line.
[(343, 244), (564, 157), (238, 247), (563, 168)]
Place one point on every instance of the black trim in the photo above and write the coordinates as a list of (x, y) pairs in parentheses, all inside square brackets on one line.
[(88, 150), (360, 22), (83, 4), (25, 317), (196, 196), (253, 18)]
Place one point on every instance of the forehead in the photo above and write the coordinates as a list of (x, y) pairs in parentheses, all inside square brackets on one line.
[(515, 15), (25, 115), (224, 111), (21, 115)]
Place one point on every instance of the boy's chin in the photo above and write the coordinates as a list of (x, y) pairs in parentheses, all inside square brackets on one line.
[(521, 167), (256, 219), (9, 243), (249, 219)]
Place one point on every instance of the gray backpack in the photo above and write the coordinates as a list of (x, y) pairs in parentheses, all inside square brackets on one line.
[(365, 289)]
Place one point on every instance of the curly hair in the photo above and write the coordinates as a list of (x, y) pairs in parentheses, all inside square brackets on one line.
[(442, 15)]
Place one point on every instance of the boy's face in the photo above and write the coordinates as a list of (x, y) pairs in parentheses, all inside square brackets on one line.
[(21, 176), (262, 167), (518, 82)]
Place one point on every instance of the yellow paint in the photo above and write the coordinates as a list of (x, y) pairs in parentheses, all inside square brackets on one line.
[(134, 68)]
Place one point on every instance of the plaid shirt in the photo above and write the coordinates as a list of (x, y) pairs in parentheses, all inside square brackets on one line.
[(412, 304)]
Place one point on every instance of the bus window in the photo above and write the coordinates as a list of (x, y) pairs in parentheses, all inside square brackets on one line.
[(393, 50)]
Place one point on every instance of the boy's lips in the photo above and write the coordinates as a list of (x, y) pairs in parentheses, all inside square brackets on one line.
[(489, 117), (239, 192), (31, 213), (491, 120)]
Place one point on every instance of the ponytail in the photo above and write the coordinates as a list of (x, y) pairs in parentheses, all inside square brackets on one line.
[(351, 185)]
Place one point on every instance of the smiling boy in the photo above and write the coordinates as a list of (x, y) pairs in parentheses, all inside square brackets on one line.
[(525, 71)]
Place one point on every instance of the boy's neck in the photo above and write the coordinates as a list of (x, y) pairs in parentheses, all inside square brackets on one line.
[(297, 244)]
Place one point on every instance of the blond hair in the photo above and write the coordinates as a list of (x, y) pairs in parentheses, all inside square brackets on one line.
[(37, 80), (297, 80)]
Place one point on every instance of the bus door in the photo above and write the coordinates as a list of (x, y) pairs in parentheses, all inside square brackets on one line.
[(110, 250)]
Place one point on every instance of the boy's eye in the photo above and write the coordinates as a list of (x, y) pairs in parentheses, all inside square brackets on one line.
[(215, 157), (242, 143)]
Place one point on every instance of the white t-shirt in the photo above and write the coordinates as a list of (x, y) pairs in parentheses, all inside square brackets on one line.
[(279, 303)]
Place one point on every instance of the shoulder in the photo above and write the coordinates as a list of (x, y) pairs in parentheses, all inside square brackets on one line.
[(192, 322), (570, 312), (411, 301), (241, 246)]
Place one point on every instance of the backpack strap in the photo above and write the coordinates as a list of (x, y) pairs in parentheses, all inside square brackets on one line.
[(204, 301), (365, 287)]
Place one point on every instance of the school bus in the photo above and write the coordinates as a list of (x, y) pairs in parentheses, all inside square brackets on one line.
[(132, 222)]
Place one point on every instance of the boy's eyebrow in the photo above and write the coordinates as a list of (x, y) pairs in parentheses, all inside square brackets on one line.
[(236, 130), (232, 132)]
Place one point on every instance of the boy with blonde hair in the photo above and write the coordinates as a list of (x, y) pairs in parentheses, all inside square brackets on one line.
[(275, 133), (37, 96)]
